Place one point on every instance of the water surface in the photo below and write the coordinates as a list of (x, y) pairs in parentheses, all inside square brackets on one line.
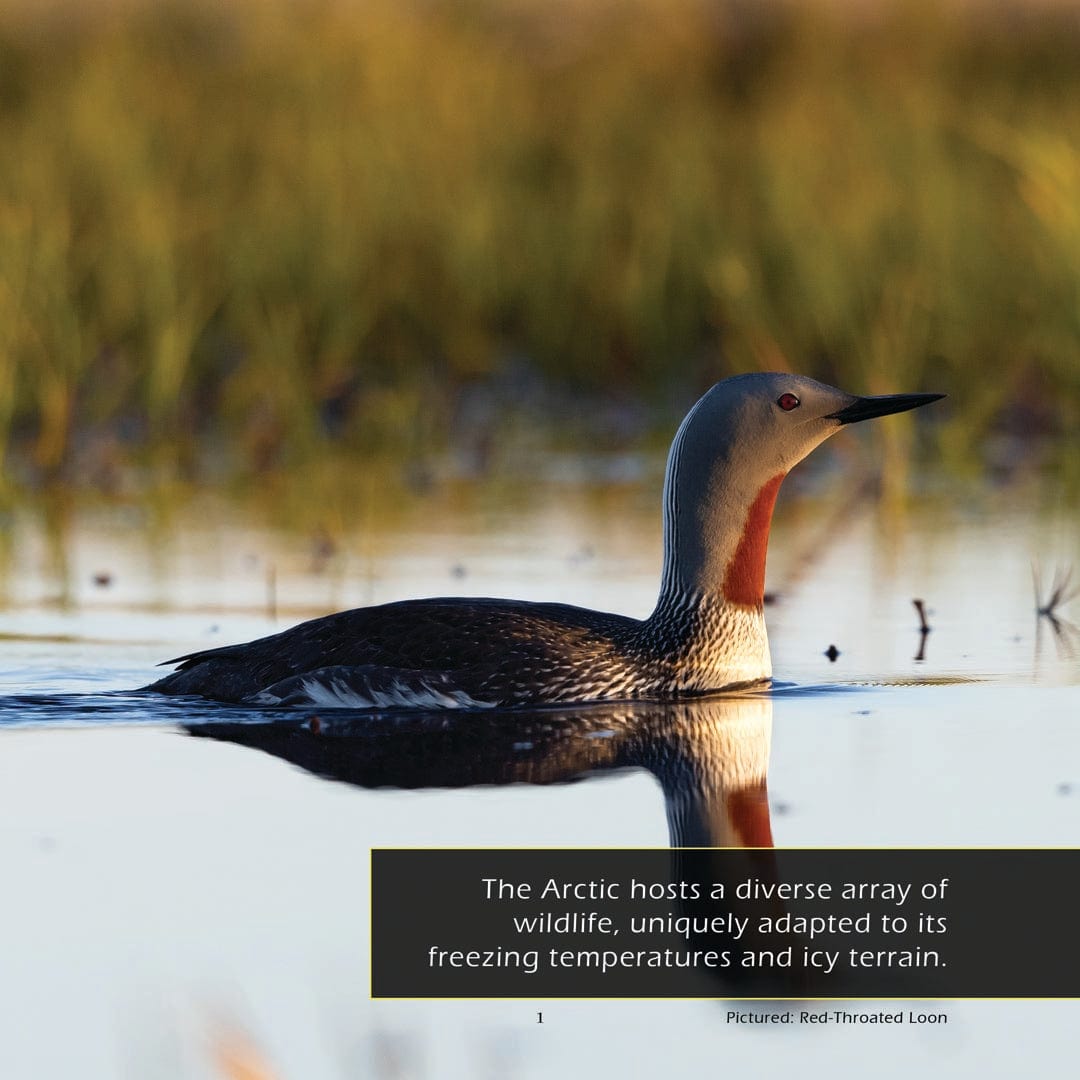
[(186, 883)]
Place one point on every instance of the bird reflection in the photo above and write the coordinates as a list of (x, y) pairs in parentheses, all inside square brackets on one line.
[(710, 756)]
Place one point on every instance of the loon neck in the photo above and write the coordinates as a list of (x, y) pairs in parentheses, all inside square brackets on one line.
[(719, 495), (716, 537), (709, 619)]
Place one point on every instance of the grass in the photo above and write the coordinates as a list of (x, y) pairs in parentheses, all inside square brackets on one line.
[(259, 233)]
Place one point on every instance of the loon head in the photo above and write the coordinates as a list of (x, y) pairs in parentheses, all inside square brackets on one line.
[(726, 465), (764, 423)]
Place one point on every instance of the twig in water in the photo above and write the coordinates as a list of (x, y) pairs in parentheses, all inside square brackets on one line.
[(924, 630)]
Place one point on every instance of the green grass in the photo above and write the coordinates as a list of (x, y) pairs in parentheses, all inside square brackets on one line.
[(284, 230)]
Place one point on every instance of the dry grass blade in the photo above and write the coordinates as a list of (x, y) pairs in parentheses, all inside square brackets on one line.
[(1066, 633), (1060, 592)]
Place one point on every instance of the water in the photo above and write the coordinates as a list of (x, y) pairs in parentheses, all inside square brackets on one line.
[(185, 885)]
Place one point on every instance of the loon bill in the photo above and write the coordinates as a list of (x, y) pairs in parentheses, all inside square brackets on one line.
[(707, 632)]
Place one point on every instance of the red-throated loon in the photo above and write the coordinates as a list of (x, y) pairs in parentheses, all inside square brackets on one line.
[(707, 632)]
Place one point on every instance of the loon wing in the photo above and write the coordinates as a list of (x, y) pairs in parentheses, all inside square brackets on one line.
[(370, 687)]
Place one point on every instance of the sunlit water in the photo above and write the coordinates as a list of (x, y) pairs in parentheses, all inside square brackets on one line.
[(179, 906)]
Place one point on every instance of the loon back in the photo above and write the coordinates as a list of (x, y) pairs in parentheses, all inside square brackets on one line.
[(406, 652)]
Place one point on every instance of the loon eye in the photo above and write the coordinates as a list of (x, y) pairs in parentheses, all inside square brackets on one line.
[(787, 402)]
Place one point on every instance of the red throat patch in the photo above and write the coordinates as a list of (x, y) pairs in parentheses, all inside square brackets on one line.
[(748, 813), (744, 579)]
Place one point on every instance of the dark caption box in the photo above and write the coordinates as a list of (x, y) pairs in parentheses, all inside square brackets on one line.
[(802, 923)]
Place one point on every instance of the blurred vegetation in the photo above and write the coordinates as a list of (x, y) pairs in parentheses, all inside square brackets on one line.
[(240, 235)]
